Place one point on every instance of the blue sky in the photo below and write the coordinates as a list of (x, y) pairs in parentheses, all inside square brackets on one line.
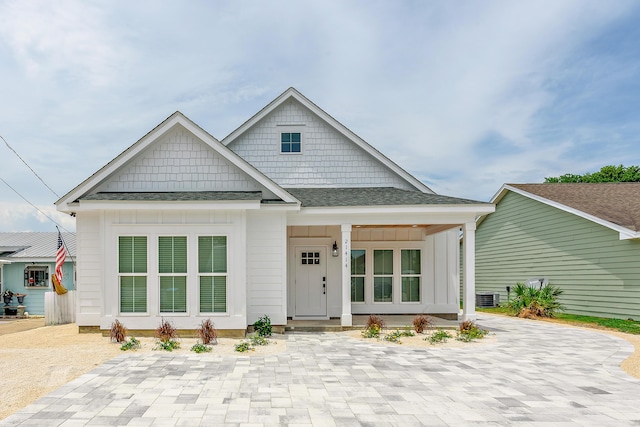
[(464, 95)]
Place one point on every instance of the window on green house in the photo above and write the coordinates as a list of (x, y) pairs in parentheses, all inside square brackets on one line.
[(357, 275), (172, 266), (410, 273), (383, 275), (132, 273), (212, 271)]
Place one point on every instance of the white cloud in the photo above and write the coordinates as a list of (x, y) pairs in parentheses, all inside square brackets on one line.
[(23, 217)]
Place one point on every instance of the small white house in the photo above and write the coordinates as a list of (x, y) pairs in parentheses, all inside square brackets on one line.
[(292, 215)]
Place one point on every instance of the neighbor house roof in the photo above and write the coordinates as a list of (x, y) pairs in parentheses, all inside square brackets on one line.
[(613, 204), (27, 245), (371, 196)]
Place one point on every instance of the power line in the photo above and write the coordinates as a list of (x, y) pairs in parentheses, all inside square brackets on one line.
[(34, 172), (34, 206)]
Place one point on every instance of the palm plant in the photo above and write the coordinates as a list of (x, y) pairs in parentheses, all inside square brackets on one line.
[(533, 302)]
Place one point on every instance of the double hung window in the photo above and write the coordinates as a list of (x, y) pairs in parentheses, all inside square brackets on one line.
[(410, 273), (132, 273), (172, 269), (212, 272), (383, 275), (358, 271)]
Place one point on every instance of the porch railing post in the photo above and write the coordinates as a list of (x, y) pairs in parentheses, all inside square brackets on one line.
[(346, 319)]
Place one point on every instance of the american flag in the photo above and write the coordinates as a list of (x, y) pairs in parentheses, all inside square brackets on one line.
[(60, 257)]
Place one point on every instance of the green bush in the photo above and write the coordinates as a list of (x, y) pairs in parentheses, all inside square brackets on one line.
[(243, 346), (372, 331), (438, 337), (263, 327), (531, 302), (395, 335), (132, 344), (469, 331), (201, 348), (256, 339)]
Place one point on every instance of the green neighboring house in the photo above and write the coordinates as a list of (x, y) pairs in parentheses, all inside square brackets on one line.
[(584, 238)]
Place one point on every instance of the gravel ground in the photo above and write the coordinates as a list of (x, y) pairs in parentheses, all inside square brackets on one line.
[(36, 361)]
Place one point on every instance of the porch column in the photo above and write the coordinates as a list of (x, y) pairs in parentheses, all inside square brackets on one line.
[(346, 319), (469, 266)]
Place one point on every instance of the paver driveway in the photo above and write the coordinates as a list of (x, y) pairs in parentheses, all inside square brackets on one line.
[(535, 373)]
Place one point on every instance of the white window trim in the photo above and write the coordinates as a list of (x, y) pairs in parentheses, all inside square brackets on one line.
[(397, 247), (159, 275), (419, 302), (280, 129), (119, 275), (198, 275), (366, 257)]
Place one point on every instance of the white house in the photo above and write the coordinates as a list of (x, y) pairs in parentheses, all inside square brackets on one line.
[(292, 215)]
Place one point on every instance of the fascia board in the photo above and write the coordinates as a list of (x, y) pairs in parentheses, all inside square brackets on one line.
[(624, 231), (94, 205), (293, 93), (413, 209)]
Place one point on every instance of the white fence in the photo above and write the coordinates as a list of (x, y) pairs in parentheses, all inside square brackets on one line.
[(59, 309)]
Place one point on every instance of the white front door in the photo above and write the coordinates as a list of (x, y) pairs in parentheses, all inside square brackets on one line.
[(311, 281)]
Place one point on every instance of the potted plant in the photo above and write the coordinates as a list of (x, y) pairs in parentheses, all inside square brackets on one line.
[(20, 298), (7, 296)]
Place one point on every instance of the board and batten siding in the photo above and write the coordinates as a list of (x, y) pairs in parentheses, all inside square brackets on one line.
[(90, 274), (266, 266), (598, 273)]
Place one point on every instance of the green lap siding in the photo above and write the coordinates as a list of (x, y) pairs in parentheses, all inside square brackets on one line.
[(524, 238)]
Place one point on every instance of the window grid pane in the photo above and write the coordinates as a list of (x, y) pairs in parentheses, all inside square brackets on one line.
[(213, 294), (383, 262), (173, 294), (411, 289), (383, 289), (212, 254), (133, 294), (172, 254), (132, 254), (357, 289), (410, 261)]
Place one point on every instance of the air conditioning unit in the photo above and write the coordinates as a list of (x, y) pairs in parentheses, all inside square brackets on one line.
[(487, 299)]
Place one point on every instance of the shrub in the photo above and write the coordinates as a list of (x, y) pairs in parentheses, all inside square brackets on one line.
[(372, 331), (374, 319), (243, 346), (438, 336), (420, 323), (207, 332), (395, 335), (168, 345), (531, 302), (201, 348), (118, 332), (262, 326), (469, 331), (166, 331), (132, 344), (256, 339)]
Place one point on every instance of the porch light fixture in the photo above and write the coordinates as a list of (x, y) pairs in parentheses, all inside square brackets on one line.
[(334, 250)]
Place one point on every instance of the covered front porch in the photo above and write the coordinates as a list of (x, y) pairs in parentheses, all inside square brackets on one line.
[(338, 274)]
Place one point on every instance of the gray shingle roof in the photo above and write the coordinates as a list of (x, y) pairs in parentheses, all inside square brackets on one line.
[(35, 244), (371, 196), (615, 202), (177, 196)]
